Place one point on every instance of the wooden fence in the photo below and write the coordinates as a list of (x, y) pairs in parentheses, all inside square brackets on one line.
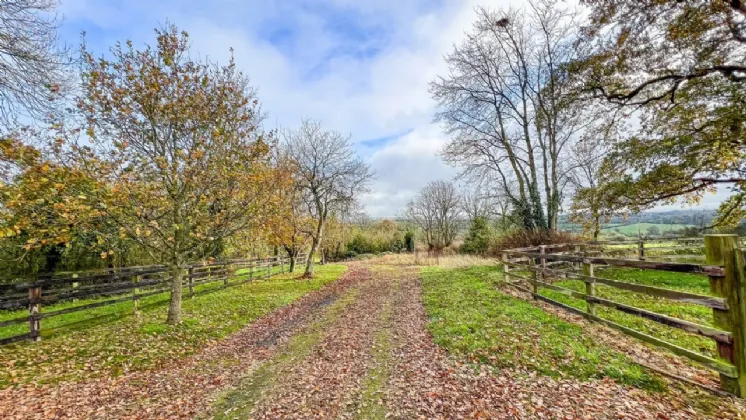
[(119, 285), (723, 263)]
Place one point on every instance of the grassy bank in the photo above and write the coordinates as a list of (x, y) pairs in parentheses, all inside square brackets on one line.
[(117, 341), (469, 317)]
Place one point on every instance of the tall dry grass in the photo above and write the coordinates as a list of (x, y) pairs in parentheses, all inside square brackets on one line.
[(423, 259)]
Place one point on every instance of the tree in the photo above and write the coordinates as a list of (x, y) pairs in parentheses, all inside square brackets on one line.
[(436, 211), (330, 175), (176, 143), (510, 109), (292, 224), (478, 237), (34, 68), (591, 204), (653, 231), (680, 67), (43, 207), (477, 201)]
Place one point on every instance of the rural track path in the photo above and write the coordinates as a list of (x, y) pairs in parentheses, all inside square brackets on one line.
[(357, 349)]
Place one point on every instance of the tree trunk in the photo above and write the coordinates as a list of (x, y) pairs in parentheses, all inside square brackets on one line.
[(309, 261), (174, 307), (314, 246), (291, 267)]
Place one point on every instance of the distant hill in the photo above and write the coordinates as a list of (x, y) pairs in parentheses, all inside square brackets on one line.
[(663, 221)]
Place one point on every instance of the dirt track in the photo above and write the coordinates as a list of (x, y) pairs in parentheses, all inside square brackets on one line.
[(355, 349)]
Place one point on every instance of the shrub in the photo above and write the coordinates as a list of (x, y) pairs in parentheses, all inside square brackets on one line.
[(478, 238), (522, 238), (409, 241)]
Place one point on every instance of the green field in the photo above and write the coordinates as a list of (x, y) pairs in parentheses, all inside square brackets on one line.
[(635, 229)]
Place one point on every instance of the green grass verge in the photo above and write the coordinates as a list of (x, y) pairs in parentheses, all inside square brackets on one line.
[(642, 228), (692, 283), (110, 340), (469, 316)]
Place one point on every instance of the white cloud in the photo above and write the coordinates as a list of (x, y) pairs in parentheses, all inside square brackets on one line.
[(368, 95)]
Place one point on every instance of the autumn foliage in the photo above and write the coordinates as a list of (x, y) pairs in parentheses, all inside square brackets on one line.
[(159, 150)]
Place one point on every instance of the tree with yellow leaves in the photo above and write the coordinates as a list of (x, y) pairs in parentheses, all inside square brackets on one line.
[(178, 147)]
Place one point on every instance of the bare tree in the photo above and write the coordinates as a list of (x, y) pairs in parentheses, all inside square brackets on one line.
[(508, 106), (330, 175), (479, 200), (33, 66), (436, 211), (591, 204)]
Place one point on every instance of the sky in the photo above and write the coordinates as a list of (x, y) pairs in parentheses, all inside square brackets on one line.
[(360, 67)]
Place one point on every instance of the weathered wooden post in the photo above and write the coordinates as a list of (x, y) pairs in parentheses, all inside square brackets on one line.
[(641, 250), (75, 284), (34, 311), (577, 251), (506, 267), (251, 270), (282, 265), (135, 291), (590, 287), (269, 267), (229, 271), (723, 250), (543, 250), (190, 278), (534, 276)]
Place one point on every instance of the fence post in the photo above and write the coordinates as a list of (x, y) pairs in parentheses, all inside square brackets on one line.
[(34, 309), (269, 267), (506, 267), (229, 271), (135, 298), (282, 265), (251, 270), (641, 250), (75, 284), (534, 276), (543, 250), (577, 251), (723, 250), (190, 276), (590, 287)]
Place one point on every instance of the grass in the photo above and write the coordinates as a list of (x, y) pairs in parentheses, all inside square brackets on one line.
[(61, 324), (111, 340), (692, 283), (470, 317)]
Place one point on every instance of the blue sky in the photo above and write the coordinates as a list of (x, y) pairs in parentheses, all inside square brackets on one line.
[(361, 67)]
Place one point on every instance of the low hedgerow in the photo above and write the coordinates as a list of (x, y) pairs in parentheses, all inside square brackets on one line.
[(522, 238)]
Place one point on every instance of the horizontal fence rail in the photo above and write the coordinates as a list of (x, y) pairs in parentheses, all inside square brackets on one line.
[(120, 285), (532, 269)]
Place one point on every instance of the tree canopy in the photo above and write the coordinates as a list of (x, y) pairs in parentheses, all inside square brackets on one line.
[(678, 67)]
